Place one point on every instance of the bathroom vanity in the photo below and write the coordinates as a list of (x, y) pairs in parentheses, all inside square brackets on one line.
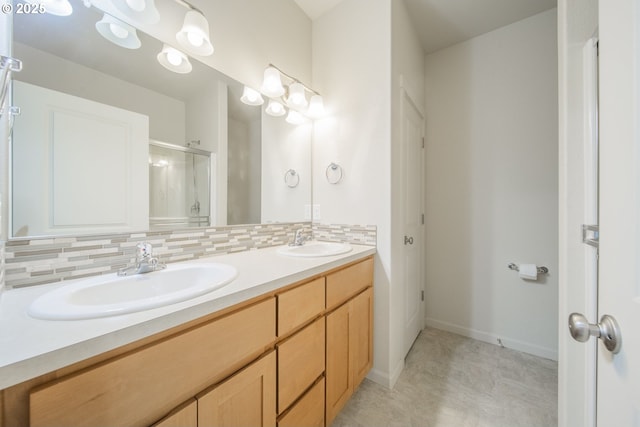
[(286, 350)]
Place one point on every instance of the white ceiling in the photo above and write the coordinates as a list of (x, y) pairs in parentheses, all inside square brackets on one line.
[(442, 23)]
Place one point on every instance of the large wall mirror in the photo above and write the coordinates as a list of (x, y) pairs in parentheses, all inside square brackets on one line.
[(111, 141)]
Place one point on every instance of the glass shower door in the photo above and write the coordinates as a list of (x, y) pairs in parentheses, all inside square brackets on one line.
[(179, 186)]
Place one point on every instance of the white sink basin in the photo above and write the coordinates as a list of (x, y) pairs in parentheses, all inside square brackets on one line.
[(112, 295), (315, 249)]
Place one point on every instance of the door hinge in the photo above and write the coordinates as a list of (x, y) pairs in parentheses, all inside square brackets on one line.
[(422, 295), (591, 235), (423, 142), (422, 219)]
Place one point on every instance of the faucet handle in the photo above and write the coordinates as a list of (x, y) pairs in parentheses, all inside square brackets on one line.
[(145, 250)]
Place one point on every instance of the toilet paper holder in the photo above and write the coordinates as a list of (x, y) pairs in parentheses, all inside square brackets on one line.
[(515, 267)]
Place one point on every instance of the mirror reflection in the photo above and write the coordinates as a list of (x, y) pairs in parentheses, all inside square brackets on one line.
[(82, 161)]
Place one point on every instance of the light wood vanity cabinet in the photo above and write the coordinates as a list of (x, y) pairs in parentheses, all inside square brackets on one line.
[(349, 334), (137, 388), (185, 415), (290, 358)]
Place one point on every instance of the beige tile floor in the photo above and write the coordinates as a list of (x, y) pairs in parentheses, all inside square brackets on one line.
[(454, 381)]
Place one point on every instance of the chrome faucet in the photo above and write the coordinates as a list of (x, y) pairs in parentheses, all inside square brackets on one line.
[(145, 261), (298, 238)]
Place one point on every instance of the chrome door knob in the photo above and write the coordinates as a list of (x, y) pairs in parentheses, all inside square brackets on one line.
[(607, 330)]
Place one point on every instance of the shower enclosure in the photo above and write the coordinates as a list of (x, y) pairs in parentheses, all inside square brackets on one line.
[(179, 186)]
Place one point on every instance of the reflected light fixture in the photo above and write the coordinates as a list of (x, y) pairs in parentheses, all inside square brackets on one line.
[(118, 32), (275, 108), (142, 11), (55, 7), (194, 34), (251, 96), (295, 118), (174, 60)]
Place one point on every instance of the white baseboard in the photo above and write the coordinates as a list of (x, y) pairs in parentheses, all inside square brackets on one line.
[(492, 338), (384, 378)]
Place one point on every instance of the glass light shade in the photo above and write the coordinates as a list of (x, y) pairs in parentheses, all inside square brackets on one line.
[(194, 34), (140, 11), (271, 84), (296, 97), (118, 32), (137, 5), (251, 96), (316, 107), (55, 7), (275, 108), (174, 60), (295, 118)]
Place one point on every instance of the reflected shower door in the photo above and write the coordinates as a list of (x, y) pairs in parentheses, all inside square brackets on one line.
[(179, 186)]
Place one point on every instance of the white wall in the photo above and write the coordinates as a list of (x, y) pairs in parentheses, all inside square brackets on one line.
[(203, 118), (284, 147), (492, 178), (352, 70)]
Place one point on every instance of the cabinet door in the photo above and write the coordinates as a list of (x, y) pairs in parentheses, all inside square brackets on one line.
[(349, 350), (184, 416), (362, 335), (246, 399), (339, 381)]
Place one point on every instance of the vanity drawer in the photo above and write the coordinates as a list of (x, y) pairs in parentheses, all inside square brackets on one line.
[(344, 284), (139, 387), (299, 305), (300, 362), (308, 411)]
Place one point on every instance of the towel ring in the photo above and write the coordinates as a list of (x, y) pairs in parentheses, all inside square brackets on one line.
[(334, 173), (291, 178)]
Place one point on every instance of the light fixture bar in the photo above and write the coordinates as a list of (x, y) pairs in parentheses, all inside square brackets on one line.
[(188, 6), (293, 79)]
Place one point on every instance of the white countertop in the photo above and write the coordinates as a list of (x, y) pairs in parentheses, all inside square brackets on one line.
[(31, 347)]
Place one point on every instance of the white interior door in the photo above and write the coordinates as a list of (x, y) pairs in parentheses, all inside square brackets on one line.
[(412, 165), (618, 393)]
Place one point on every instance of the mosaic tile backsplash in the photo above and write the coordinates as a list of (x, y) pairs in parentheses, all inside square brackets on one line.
[(37, 261)]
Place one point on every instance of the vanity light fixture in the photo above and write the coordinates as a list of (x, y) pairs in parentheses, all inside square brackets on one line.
[(142, 11), (54, 7), (272, 83), (118, 32), (174, 60), (296, 98), (251, 96), (316, 107), (194, 34), (291, 98)]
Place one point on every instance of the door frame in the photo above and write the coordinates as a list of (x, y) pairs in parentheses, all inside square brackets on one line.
[(577, 287)]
